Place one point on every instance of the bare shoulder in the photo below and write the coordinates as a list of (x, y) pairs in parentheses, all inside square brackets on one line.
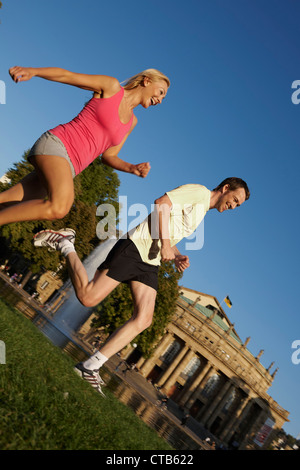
[(111, 86)]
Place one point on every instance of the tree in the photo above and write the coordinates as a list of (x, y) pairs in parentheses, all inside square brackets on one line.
[(117, 308), (96, 185)]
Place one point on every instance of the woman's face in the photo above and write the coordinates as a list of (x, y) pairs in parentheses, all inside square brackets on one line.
[(153, 92)]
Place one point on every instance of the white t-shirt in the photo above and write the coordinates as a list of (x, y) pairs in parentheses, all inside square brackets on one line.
[(190, 202)]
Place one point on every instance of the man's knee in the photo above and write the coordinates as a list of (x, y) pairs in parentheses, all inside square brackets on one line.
[(86, 300), (143, 321)]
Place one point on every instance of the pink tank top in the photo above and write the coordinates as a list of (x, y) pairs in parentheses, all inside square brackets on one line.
[(96, 128)]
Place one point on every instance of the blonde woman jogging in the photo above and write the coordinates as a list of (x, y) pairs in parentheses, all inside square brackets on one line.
[(61, 153)]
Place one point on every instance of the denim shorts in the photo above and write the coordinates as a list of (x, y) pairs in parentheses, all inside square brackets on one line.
[(49, 144)]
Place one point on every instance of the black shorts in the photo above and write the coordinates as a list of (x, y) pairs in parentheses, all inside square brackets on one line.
[(125, 264)]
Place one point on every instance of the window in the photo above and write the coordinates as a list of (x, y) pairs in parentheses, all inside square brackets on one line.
[(192, 367), (44, 285), (171, 352), (208, 339), (229, 402), (211, 307), (190, 327), (211, 385)]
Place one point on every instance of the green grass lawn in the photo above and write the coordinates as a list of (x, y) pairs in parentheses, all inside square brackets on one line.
[(44, 405)]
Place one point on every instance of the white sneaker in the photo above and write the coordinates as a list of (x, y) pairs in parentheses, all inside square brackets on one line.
[(51, 238), (91, 376)]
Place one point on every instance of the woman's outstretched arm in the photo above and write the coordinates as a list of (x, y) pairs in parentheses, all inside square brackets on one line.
[(96, 83)]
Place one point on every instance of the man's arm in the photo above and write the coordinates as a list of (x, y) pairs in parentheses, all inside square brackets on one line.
[(163, 206)]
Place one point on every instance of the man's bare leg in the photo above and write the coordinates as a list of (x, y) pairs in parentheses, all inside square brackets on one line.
[(144, 302), (89, 293)]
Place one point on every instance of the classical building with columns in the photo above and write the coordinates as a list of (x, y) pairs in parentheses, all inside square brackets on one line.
[(205, 368)]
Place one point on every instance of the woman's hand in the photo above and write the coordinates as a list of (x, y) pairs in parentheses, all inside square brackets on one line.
[(21, 74), (141, 169)]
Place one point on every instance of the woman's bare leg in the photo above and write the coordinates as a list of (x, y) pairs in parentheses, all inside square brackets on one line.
[(28, 188), (53, 178)]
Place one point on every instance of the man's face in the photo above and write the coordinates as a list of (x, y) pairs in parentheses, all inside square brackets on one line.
[(231, 199)]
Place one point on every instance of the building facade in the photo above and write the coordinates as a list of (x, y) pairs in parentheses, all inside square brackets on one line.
[(204, 367), (47, 284)]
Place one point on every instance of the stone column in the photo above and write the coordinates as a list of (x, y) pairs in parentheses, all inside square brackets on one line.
[(140, 362), (220, 401), (215, 402), (236, 420), (192, 392), (254, 429), (150, 363), (173, 365), (178, 369)]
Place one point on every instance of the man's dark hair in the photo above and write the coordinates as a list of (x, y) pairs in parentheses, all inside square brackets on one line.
[(234, 183)]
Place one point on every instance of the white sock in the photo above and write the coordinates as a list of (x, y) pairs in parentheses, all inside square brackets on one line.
[(66, 247), (95, 362)]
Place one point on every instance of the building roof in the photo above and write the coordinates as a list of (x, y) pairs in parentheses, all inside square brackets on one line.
[(216, 319)]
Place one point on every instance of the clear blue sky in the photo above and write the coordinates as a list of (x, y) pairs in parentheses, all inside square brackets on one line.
[(228, 113)]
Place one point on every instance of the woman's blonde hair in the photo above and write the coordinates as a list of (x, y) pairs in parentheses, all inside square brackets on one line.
[(153, 75)]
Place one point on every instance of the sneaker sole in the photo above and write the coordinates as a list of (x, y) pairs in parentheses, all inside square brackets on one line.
[(39, 243), (96, 387), (48, 230), (80, 372)]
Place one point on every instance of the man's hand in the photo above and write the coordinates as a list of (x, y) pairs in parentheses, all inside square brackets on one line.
[(181, 262), (166, 252), (141, 169)]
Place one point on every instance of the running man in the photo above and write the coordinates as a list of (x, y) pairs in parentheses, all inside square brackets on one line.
[(136, 257)]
